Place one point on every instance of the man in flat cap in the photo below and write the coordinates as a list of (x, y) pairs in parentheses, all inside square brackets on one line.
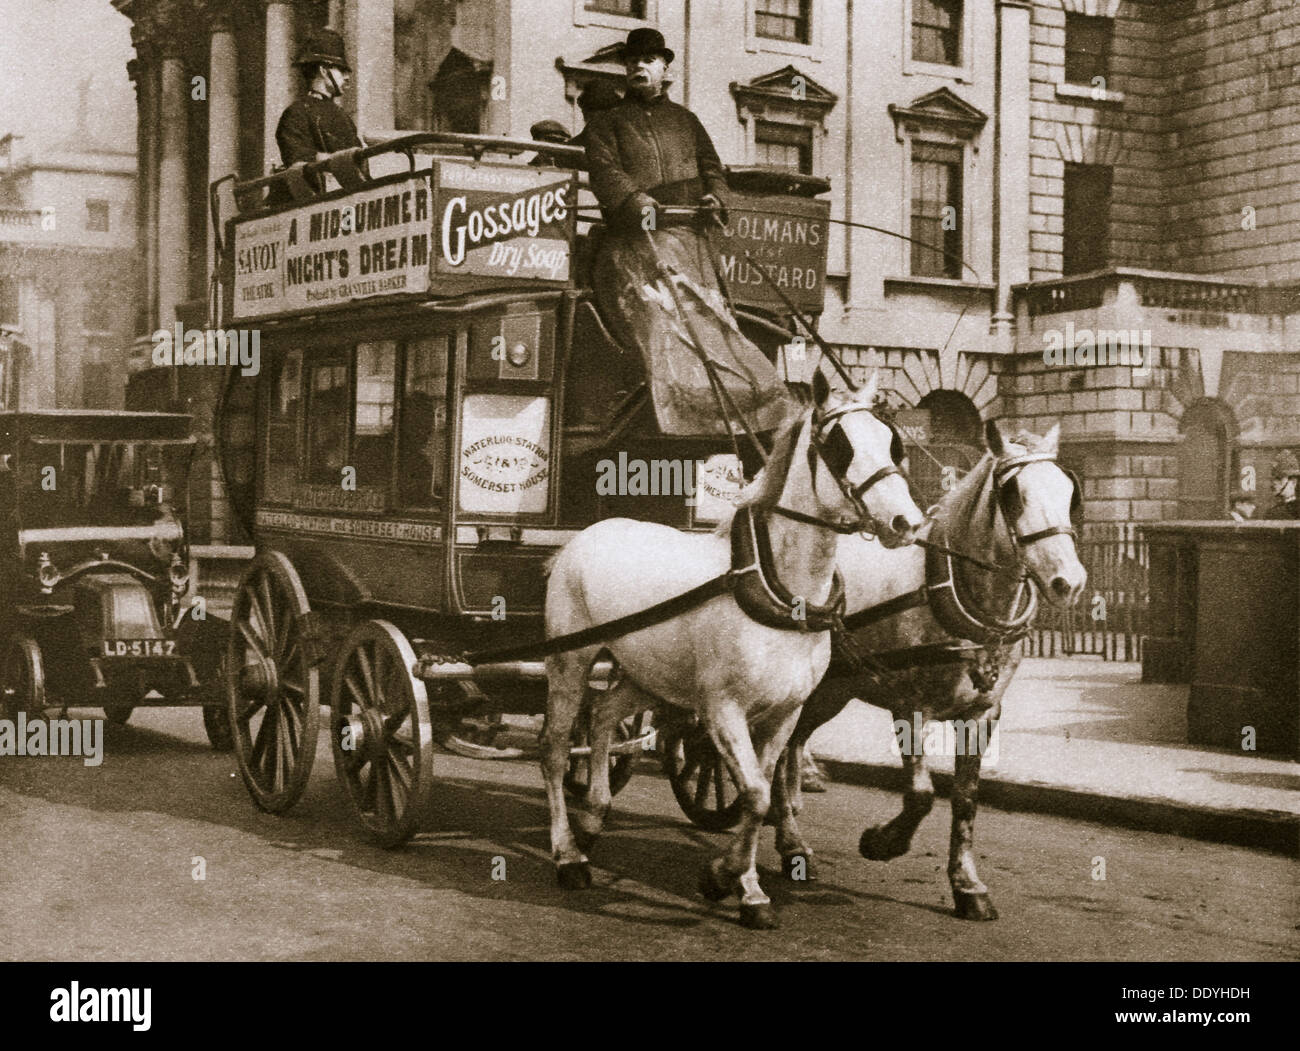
[(644, 153), (315, 125), (548, 131)]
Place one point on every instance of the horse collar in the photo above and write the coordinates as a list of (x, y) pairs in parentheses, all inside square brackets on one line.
[(958, 615), (759, 591)]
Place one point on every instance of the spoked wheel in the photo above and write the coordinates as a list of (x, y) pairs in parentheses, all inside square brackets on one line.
[(272, 691), (703, 785), (22, 678), (381, 734), (577, 780)]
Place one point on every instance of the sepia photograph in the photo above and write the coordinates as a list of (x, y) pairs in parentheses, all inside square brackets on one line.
[(678, 481)]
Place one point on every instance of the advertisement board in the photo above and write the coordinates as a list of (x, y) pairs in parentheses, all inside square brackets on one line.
[(372, 242)]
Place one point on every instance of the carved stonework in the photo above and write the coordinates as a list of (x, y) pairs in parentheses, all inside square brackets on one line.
[(784, 93), (939, 110)]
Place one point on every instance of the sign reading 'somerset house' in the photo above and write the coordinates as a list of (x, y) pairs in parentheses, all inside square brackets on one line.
[(370, 243)]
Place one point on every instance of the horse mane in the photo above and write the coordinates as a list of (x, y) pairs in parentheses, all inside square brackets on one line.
[(765, 490)]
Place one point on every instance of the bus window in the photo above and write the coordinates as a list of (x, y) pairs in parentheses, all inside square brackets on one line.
[(422, 441), (372, 449), (327, 424), (282, 430)]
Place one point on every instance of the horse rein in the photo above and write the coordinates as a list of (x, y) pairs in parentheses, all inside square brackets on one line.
[(1003, 473)]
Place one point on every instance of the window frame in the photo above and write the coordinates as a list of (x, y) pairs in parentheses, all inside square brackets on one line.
[(1105, 57), (812, 50), (438, 500), (583, 16), (958, 163), (963, 72), (806, 149), (1066, 240), (805, 16), (264, 415)]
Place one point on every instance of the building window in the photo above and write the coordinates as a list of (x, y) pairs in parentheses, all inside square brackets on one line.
[(784, 20), (372, 447), (936, 210), (422, 435), (936, 31), (626, 8), (1087, 218), (784, 145), (1087, 48), (282, 430), (97, 216)]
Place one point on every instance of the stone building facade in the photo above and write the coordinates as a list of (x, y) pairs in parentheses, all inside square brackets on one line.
[(67, 243), (1090, 167)]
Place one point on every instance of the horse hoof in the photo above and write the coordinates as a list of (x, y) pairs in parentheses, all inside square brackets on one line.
[(799, 868), (576, 875), (585, 840), (877, 845), (972, 906), (758, 917), (711, 888)]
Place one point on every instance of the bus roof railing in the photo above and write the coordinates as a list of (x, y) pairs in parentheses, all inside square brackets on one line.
[(349, 166)]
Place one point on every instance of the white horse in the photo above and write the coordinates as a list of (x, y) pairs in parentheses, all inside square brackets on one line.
[(745, 680), (946, 655)]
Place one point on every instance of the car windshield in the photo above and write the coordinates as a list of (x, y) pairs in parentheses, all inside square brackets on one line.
[(99, 483)]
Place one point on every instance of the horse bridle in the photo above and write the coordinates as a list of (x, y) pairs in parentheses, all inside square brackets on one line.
[(828, 443), (1005, 472)]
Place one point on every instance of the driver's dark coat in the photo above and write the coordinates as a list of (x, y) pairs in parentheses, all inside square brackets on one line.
[(655, 147)]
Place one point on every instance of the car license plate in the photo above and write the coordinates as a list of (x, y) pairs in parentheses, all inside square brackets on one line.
[(139, 647)]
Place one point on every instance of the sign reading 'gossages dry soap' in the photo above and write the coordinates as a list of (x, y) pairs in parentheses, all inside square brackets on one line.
[(501, 221), (373, 242)]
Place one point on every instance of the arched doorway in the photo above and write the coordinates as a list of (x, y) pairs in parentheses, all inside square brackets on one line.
[(1205, 459), (954, 440)]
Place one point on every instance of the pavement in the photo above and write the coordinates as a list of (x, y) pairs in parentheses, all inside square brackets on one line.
[(1085, 738)]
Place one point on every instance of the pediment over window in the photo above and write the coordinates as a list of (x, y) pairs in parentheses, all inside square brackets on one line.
[(787, 88), (939, 110)]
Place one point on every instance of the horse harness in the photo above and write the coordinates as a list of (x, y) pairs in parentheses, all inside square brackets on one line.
[(982, 638)]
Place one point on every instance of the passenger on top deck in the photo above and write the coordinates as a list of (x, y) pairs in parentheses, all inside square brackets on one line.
[(315, 126)]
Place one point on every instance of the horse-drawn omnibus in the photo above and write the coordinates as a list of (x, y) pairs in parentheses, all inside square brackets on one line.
[(437, 397)]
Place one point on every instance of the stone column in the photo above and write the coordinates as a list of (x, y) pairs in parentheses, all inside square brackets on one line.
[(223, 106), (173, 180), (336, 15), (368, 36), (1011, 248), (146, 83), (279, 74)]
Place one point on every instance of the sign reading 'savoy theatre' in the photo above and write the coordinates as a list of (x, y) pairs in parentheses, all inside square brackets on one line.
[(374, 242), (505, 222)]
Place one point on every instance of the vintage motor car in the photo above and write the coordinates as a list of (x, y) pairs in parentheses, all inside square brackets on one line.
[(99, 607)]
